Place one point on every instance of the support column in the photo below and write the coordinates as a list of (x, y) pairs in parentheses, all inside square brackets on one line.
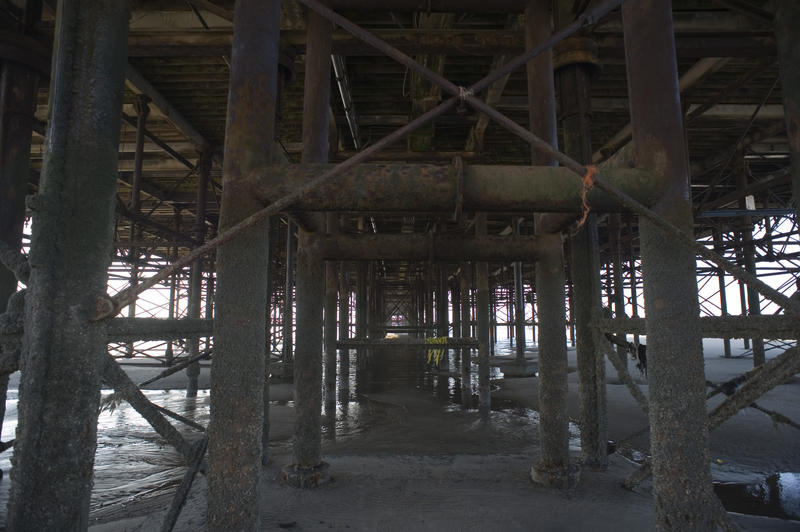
[(61, 362), (616, 292), (749, 253), (442, 320), (632, 275), (723, 297), (519, 305), (482, 315), (787, 13), (235, 431), (288, 303), (344, 332), (329, 325), (316, 281), (575, 96), (553, 468), (466, 331), (678, 420), (18, 87), (196, 276), (169, 355), (135, 204)]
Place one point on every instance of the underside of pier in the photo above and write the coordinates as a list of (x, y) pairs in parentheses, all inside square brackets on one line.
[(288, 194)]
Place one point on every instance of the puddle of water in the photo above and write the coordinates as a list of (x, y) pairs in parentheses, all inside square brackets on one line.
[(777, 495)]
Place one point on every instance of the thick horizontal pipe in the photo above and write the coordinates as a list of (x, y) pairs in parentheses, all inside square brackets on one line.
[(147, 329), (456, 42), (772, 327), (428, 188), (425, 247), (375, 342), (461, 6)]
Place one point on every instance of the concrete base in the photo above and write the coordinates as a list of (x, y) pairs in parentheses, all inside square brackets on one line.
[(519, 370), (556, 477), (301, 477)]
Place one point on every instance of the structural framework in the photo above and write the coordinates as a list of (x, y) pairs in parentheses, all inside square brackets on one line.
[(270, 182)]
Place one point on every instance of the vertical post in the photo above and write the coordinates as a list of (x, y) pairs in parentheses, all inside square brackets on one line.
[(678, 427), (482, 316), (288, 303), (576, 110), (272, 240), (196, 275), (723, 297), (344, 331), (616, 293), (316, 280), (787, 13), (553, 468), (466, 331), (331, 308), (739, 252), (632, 275), (169, 355), (519, 305), (235, 431), (135, 203), (442, 321), (749, 253), (18, 87), (59, 389)]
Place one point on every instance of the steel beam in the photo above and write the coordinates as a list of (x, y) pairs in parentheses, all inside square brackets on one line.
[(238, 368), (787, 14), (553, 468), (426, 188), (575, 98), (61, 372), (679, 433), (423, 247)]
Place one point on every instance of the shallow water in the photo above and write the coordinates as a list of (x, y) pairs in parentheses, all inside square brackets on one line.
[(777, 495)]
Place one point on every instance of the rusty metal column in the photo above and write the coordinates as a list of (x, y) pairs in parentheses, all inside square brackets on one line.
[(196, 275), (60, 370), (723, 297), (316, 280), (519, 305), (482, 317), (787, 13), (465, 282), (678, 420), (135, 203), (344, 331), (287, 318), (575, 97), (18, 87), (749, 254), (616, 294), (553, 468), (331, 305), (169, 354), (632, 275), (235, 431), (442, 320)]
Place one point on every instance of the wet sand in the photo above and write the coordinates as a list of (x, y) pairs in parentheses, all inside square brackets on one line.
[(405, 454)]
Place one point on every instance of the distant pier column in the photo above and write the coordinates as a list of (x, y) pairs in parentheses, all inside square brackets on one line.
[(196, 276), (482, 317), (466, 332), (71, 245)]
